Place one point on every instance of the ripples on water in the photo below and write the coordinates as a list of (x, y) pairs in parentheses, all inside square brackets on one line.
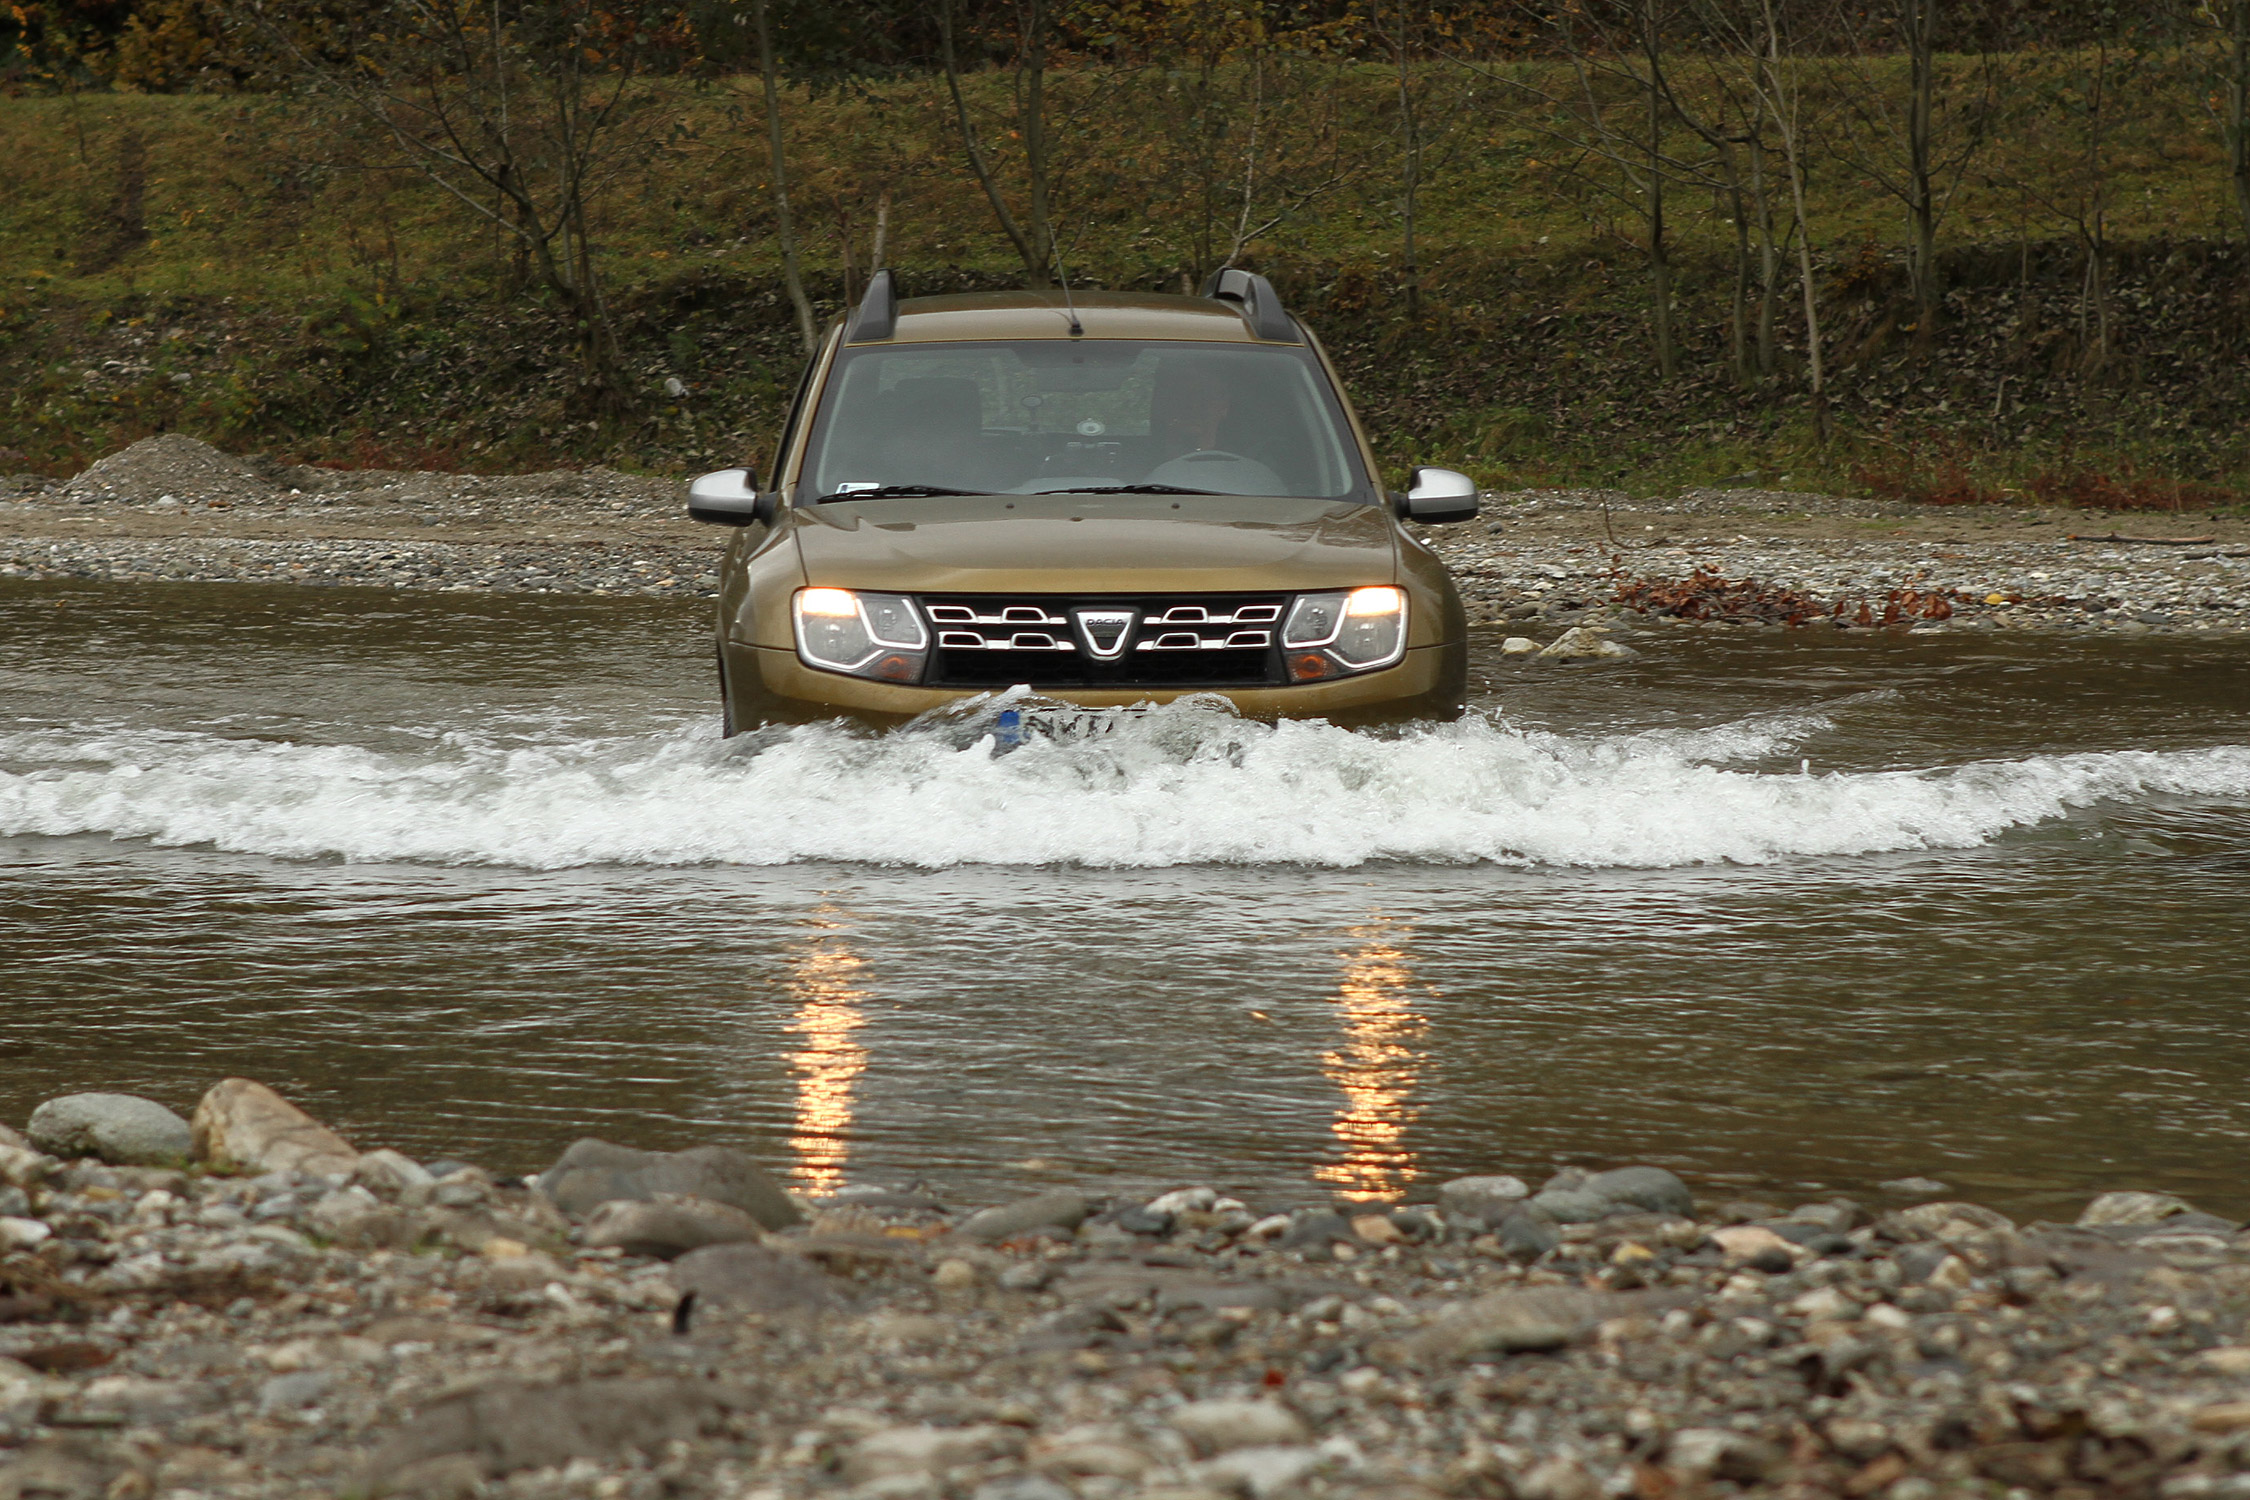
[(477, 876)]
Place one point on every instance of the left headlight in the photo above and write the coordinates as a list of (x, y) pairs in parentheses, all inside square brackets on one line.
[(1331, 635), (864, 635)]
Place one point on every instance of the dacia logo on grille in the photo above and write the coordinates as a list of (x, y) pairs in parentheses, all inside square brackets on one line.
[(1105, 632)]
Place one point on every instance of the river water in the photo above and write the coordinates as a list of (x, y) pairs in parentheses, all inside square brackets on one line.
[(474, 876)]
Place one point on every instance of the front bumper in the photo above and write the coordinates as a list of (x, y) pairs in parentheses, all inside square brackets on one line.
[(766, 685)]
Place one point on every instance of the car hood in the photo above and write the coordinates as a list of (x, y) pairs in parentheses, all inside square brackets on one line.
[(1115, 544)]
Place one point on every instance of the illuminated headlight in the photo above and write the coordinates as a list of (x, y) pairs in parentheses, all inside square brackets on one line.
[(866, 635), (1330, 635)]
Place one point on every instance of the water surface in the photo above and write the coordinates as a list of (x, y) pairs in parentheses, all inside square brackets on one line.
[(473, 875)]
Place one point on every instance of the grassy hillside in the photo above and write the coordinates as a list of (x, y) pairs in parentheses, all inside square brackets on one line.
[(234, 268)]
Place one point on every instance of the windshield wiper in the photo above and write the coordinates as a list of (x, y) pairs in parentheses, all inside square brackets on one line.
[(1129, 489), (894, 492)]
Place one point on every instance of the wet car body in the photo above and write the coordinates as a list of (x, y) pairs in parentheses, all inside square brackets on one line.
[(1063, 552)]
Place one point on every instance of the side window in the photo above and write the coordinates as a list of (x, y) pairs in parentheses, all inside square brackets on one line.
[(793, 421)]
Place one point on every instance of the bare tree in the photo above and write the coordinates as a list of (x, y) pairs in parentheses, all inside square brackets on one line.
[(1032, 234), (1758, 30), (1235, 131), (777, 166), (525, 116), (1917, 143), (1616, 123)]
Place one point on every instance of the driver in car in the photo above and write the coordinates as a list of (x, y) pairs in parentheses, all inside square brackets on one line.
[(1187, 412)]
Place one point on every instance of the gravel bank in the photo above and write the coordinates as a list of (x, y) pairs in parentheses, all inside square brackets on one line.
[(170, 508), (330, 1322)]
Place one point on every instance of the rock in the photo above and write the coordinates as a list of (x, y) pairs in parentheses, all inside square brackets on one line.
[(1481, 1197), (1704, 1453), (955, 1275), (745, 1278), (1182, 1201), (1222, 1426), (666, 1225), (593, 1172), (1529, 1320), (1519, 645), (510, 1424), (1062, 1209), (1260, 1472), (1318, 1227), (245, 1125), (22, 1234), (123, 1129), (1914, 1187), (294, 1391), (1527, 1236), (2224, 1416), (10, 1139), (2231, 1360), (20, 1166), (390, 1174), (1579, 643), (138, 1402), (336, 1215), (1378, 1229), (1574, 1205), (1950, 1220), (930, 1451), (1021, 1487), (1747, 1242), (1650, 1188), (1093, 1450), (1557, 1479), (2116, 1209)]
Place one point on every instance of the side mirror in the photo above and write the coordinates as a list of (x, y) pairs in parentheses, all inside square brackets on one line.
[(1436, 496), (729, 498)]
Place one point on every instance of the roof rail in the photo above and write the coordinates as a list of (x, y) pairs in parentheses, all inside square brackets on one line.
[(1259, 302), (877, 317)]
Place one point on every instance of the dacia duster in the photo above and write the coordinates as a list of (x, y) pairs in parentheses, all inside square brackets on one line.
[(1110, 499)]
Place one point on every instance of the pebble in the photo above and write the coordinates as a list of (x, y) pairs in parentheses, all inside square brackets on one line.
[(1062, 1209), (203, 1333)]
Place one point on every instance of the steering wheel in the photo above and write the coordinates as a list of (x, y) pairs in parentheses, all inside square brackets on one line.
[(1202, 454)]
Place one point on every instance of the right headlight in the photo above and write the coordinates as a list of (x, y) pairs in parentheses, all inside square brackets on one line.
[(1330, 635), (865, 635)]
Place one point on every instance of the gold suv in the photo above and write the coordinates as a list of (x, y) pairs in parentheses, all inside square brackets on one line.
[(1109, 500)]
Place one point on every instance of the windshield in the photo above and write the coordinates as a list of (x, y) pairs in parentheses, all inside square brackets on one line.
[(1080, 415)]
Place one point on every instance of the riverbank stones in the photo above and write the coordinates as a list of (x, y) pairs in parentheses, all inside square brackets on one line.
[(122, 1129), (1057, 1210), (1483, 1198), (665, 1226), (244, 1125), (594, 1171)]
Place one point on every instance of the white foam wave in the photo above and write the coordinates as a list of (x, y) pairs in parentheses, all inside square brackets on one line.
[(1187, 785)]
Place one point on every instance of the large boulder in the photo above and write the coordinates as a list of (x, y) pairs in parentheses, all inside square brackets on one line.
[(245, 1125), (122, 1129), (593, 1172)]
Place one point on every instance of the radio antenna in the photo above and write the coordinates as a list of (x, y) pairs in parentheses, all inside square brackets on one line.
[(1070, 309)]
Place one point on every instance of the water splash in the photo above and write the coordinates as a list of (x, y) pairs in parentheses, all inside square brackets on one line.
[(1189, 784)]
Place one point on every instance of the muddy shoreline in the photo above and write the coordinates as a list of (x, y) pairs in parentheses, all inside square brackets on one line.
[(171, 509), (260, 1308)]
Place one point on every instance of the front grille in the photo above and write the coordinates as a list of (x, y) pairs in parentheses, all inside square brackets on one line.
[(1105, 640)]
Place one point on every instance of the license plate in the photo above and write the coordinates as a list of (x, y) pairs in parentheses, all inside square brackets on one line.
[(1015, 725)]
